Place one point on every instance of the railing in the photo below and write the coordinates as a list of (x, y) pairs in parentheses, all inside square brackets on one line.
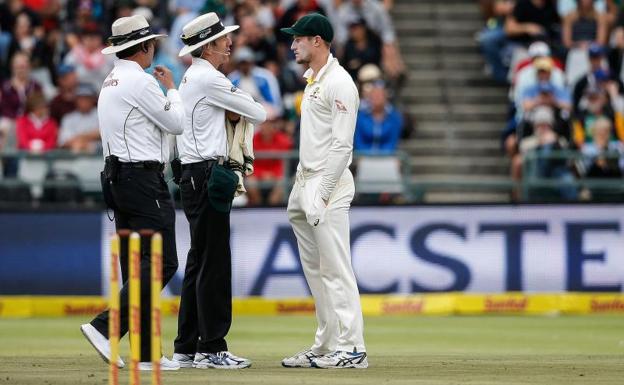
[(537, 187), (532, 187), (34, 171)]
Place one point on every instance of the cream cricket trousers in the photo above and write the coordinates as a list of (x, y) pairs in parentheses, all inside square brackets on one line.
[(325, 254)]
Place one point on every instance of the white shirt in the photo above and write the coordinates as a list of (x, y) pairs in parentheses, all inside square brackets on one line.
[(76, 123), (328, 115), (207, 94), (135, 116)]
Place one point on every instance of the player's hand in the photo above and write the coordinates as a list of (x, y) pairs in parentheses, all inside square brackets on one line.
[(316, 214), (164, 76)]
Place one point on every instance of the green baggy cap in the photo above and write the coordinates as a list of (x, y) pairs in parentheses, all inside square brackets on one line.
[(311, 25)]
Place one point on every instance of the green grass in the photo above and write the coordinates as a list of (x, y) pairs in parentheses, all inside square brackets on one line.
[(403, 350)]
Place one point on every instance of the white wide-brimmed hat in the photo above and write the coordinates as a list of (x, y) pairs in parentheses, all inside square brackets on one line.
[(202, 30), (129, 31)]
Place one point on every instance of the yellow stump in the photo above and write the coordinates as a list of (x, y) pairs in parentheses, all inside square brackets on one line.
[(113, 313), (156, 276), (135, 307)]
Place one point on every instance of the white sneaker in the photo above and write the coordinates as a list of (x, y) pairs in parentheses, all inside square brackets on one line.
[(184, 360), (341, 360), (303, 359), (100, 343), (220, 360), (165, 364)]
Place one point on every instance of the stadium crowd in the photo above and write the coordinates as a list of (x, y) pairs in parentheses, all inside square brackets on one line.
[(562, 60), (52, 68)]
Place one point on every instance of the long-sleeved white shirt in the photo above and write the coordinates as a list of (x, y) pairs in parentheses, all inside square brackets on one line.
[(135, 116), (207, 94), (328, 115)]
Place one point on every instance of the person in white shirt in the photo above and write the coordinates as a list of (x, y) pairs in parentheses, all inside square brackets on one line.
[(79, 129), (318, 207), (207, 187), (135, 118)]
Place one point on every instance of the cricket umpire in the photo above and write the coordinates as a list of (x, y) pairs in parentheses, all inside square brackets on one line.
[(135, 118), (207, 188), (318, 207)]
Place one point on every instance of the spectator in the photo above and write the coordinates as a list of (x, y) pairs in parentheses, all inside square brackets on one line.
[(367, 75), (255, 37), (379, 21), (9, 11), (257, 81), (526, 76), (36, 130), (565, 7), (262, 13), (617, 51), (379, 124), (363, 47), (268, 138), (545, 143), (598, 72), (594, 105), (65, 100), (24, 39), (92, 66), (584, 26), (493, 40), (546, 93), (80, 128), (532, 20), (293, 13), (604, 157), (17, 88), (581, 28)]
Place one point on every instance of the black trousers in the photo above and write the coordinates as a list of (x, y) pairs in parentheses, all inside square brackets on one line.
[(143, 202), (205, 313)]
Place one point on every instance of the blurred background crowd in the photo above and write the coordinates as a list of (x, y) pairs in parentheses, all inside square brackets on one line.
[(559, 63), (562, 62), (51, 70)]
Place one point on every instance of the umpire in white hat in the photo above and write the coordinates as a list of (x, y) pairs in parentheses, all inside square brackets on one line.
[(207, 188), (135, 118)]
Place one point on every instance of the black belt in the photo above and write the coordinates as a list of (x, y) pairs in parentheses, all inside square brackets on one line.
[(199, 165), (146, 164)]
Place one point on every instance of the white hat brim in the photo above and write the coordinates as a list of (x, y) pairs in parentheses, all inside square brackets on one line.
[(118, 48), (190, 48)]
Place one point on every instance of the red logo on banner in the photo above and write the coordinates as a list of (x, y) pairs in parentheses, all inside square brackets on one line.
[(407, 306), (607, 305), (502, 305)]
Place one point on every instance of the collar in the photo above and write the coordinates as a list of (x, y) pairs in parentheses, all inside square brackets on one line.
[(309, 74), (202, 62), (128, 64)]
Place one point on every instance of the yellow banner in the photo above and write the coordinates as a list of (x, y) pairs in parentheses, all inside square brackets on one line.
[(372, 305)]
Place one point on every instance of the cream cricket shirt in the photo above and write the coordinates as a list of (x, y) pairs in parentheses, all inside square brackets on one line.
[(328, 115), (207, 94), (135, 116)]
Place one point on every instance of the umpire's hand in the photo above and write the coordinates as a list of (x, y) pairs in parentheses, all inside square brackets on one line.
[(164, 76)]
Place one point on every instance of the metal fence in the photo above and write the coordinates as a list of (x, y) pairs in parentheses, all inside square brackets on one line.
[(61, 176)]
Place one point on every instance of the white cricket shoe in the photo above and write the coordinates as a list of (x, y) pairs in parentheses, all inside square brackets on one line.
[(165, 364), (341, 360), (303, 359), (220, 360), (100, 343), (185, 360)]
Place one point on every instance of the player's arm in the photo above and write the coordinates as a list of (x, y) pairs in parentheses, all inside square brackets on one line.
[(225, 95), (345, 102)]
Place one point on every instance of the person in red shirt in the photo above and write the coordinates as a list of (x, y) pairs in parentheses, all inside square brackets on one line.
[(36, 130), (270, 137)]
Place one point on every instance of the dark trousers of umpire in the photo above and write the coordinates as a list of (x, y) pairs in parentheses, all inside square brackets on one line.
[(205, 313), (143, 202)]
